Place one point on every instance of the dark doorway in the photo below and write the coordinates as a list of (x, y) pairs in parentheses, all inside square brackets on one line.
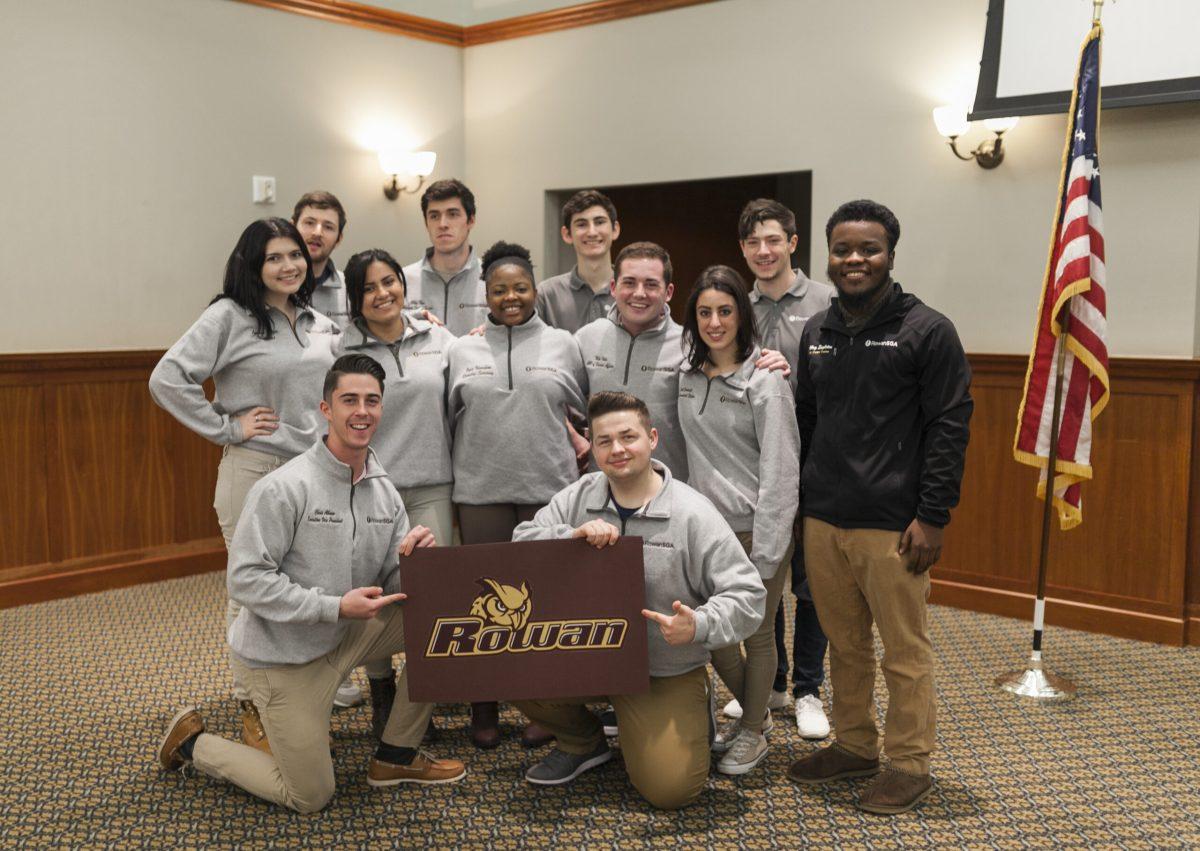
[(695, 220)]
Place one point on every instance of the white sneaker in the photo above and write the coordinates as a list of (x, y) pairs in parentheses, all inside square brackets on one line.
[(731, 730), (746, 751), (810, 717), (777, 700), (348, 694)]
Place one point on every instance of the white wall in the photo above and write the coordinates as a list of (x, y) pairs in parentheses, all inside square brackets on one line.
[(844, 89), (131, 131), (132, 128)]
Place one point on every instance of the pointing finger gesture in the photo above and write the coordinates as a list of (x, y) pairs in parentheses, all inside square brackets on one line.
[(678, 628)]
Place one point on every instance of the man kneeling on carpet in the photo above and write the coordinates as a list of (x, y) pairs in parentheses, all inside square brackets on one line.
[(314, 564), (702, 592)]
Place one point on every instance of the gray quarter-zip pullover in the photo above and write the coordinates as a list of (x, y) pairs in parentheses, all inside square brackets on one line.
[(744, 453), (284, 373), (330, 297), (646, 366), (413, 438), (509, 393), (459, 302), (568, 301), (307, 536), (689, 554), (780, 322)]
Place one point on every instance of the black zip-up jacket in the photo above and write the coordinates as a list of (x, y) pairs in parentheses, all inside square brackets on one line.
[(884, 415)]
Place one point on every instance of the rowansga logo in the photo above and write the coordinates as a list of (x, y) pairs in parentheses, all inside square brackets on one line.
[(499, 622)]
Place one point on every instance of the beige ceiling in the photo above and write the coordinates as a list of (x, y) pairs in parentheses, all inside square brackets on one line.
[(465, 13)]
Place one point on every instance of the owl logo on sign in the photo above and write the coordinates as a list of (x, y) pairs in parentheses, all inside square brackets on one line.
[(503, 605)]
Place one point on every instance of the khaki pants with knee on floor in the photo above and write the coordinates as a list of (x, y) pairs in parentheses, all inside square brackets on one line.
[(857, 577), (295, 702), (664, 734)]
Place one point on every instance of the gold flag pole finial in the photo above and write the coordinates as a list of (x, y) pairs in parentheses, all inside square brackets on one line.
[(1096, 6)]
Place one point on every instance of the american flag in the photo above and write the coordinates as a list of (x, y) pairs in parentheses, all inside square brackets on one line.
[(1074, 282)]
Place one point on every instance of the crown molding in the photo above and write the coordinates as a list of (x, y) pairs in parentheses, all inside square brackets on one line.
[(427, 29)]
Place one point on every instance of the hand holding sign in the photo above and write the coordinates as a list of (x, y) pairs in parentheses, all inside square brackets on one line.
[(418, 536), (677, 629), (599, 533), (363, 603)]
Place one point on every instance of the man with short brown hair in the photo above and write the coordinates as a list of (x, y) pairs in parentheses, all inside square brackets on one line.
[(572, 300), (321, 220)]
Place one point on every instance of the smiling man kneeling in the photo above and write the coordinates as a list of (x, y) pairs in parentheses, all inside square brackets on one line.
[(702, 593), (314, 563)]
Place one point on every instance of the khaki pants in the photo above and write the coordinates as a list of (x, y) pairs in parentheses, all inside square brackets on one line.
[(430, 507), (295, 702), (664, 734), (856, 577), (239, 470), (749, 678)]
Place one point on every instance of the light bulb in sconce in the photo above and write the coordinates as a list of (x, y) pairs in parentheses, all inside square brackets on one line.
[(951, 122), (1000, 125), (396, 162)]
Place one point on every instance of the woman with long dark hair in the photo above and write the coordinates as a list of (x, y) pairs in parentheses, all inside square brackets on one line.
[(267, 352), (510, 389), (743, 454), (412, 441)]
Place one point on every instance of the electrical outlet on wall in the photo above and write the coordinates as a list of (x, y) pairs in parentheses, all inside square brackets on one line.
[(264, 189)]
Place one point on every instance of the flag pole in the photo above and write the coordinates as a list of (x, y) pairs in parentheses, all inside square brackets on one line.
[(1034, 681)]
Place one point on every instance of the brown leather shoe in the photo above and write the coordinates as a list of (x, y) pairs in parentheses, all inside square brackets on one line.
[(185, 724), (895, 791), (425, 768), (253, 733), (535, 736), (485, 725), (829, 764)]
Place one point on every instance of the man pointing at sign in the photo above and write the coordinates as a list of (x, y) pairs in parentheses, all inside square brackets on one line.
[(702, 593)]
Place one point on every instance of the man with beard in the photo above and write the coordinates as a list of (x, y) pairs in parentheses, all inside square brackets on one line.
[(321, 220), (883, 405)]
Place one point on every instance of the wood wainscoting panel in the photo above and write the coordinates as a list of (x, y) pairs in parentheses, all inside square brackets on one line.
[(993, 535), (23, 520), (1135, 548)]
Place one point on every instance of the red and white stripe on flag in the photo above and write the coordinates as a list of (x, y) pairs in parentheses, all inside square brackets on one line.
[(1075, 277)]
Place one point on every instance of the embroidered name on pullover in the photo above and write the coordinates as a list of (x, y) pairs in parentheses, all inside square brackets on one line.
[(307, 536), (646, 366), (510, 391), (285, 373), (744, 453), (413, 438), (689, 554)]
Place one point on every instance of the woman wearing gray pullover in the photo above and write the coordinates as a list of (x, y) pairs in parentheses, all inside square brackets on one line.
[(743, 453), (511, 389), (267, 352), (413, 438)]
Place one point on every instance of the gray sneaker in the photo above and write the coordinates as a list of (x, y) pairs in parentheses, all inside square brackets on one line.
[(746, 751), (560, 767), (730, 731)]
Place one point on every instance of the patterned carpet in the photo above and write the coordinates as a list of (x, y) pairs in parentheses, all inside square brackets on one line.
[(90, 681)]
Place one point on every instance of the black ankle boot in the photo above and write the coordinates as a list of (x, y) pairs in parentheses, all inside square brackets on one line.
[(383, 692)]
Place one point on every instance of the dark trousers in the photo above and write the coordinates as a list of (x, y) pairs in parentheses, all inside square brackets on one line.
[(808, 641)]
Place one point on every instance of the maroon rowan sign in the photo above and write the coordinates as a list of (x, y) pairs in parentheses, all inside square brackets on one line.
[(531, 620)]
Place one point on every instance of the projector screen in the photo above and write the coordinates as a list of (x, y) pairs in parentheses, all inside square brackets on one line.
[(1151, 54)]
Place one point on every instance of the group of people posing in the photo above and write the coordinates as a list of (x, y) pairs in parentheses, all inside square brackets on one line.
[(787, 429)]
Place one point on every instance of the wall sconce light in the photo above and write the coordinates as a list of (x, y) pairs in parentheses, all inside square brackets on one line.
[(952, 122), (418, 164)]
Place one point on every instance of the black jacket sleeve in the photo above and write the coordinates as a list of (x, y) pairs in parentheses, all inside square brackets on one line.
[(806, 395), (945, 381)]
